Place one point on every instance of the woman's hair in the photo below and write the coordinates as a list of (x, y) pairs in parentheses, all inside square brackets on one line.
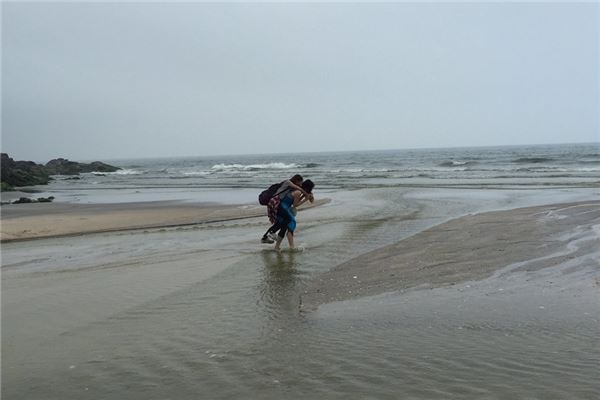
[(296, 179), (308, 186)]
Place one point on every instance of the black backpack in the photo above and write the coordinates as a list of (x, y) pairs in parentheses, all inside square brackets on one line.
[(266, 195)]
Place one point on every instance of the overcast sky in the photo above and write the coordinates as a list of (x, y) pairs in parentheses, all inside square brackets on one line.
[(109, 80)]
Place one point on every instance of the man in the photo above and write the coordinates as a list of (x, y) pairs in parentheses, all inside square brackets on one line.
[(286, 215), (295, 183)]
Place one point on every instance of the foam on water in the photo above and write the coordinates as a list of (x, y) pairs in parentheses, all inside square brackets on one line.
[(523, 166), (122, 172), (275, 165)]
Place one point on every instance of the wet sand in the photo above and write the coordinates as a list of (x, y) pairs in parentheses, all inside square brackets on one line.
[(48, 220), (469, 248), (206, 310)]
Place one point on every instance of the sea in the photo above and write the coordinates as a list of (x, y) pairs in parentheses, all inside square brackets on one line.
[(238, 178), (206, 311)]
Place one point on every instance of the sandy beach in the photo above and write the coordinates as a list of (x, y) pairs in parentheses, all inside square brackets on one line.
[(450, 152), (44, 220), (147, 300), (465, 249)]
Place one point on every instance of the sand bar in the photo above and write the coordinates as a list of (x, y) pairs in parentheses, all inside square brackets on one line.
[(45, 220), (468, 248)]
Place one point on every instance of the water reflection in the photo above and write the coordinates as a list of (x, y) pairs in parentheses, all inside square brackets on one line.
[(280, 283)]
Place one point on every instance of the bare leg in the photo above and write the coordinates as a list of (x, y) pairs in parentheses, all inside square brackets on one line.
[(278, 243), (290, 238)]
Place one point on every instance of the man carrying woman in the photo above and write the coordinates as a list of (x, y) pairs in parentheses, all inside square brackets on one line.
[(285, 220), (272, 203)]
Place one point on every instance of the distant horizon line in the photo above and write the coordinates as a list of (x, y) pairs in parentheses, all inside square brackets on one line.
[(310, 152)]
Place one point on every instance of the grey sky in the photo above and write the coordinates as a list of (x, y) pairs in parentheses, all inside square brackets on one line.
[(110, 80)]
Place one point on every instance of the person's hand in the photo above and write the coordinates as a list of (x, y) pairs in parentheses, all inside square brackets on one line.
[(311, 198)]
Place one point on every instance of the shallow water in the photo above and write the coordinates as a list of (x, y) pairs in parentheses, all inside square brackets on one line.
[(206, 313)]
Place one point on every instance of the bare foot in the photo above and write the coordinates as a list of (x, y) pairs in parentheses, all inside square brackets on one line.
[(278, 244)]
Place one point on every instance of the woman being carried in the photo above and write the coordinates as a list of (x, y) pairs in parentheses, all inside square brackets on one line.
[(286, 213), (295, 183)]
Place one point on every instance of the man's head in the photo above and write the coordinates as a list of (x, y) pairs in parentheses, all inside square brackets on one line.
[(296, 179)]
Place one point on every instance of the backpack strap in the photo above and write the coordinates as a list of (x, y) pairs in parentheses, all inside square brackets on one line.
[(280, 191)]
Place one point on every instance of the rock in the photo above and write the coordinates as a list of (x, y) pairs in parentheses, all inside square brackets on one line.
[(22, 173), (27, 200), (23, 200), (62, 166), (98, 166), (28, 173)]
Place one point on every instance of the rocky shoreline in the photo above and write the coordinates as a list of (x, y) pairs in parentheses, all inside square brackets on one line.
[(28, 173)]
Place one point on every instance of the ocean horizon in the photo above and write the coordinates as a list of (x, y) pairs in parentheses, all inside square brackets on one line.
[(218, 178), (311, 152)]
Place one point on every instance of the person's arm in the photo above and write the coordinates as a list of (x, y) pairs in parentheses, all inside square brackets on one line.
[(310, 197), (294, 186), (299, 198)]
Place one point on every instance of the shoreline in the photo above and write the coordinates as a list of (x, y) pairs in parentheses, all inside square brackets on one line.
[(467, 248), (56, 220)]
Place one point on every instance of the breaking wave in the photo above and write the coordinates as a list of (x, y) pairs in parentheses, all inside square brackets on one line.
[(121, 172), (253, 167), (457, 163)]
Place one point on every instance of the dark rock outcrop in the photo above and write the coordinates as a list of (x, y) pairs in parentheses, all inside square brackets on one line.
[(25, 200), (61, 166), (22, 173), (28, 173)]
